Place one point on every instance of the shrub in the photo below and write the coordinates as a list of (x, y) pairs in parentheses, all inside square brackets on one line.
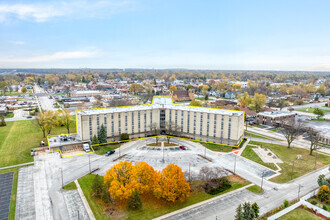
[(313, 202), (124, 136), (324, 207), (286, 203), (324, 193), (134, 201), (215, 186), (2, 122)]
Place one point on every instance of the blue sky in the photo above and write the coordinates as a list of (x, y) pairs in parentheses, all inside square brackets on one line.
[(231, 35)]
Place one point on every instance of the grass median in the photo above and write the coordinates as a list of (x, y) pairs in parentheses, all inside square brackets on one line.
[(288, 155)]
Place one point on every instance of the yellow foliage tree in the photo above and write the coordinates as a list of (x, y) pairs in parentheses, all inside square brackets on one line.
[(173, 88), (135, 88), (173, 77), (258, 102), (195, 103), (244, 100), (171, 185), (237, 86)]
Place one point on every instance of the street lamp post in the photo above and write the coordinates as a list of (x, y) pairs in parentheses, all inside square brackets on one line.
[(262, 180), (89, 163), (62, 176), (315, 159), (292, 170)]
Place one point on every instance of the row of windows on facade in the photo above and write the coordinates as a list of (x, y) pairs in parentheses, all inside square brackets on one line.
[(161, 118)]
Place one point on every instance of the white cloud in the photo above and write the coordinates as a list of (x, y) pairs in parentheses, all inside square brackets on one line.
[(50, 57), (41, 12), (17, 42)]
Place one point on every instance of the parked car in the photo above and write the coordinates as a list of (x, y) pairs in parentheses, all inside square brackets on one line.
[(29, 117), (109, 152), (182, 147)]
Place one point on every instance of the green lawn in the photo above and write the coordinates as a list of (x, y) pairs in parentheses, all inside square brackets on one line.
[(300, 214), (251, 155), (152, 207), (255, 189), (217, 147), (105, 148), (311, 110), (288, 155), (19, 137), (13, 192), (70, 186)]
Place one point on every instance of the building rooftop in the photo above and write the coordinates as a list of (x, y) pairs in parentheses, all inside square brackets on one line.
[(159, 102), (275, 113)]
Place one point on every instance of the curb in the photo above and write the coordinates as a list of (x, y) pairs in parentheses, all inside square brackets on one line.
[(84, 200)]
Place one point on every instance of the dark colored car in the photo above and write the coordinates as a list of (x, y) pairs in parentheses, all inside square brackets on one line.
[(182, 147), (29, 117), (109, 152)]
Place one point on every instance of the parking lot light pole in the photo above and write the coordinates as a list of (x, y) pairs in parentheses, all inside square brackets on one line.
[(292, 170), (62, 176), (315, 160), (89, 163), (262, 180), (235, 164)]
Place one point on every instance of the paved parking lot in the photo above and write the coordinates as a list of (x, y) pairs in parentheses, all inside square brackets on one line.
[(6, 186)]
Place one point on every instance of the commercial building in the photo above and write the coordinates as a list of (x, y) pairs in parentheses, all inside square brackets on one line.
[(87, 93), (275, 117), (163, 117)]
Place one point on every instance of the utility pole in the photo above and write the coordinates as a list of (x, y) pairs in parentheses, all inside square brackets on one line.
[(292, 170), (235, 164), (89, 163)]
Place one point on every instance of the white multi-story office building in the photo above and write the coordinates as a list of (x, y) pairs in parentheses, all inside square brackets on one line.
[(163, 117)]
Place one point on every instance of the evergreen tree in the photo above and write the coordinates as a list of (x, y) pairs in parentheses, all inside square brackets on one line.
[(255, 207), (83, 79), (106, 198), (102, 135), (135, 202), (238, 215), (95, 140), (97, 187)]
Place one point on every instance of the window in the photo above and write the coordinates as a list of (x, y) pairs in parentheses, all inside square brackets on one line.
[(194, 123), (105, 123), (229, 130), (132, 122), (145, 121), (119, 124), (201, 126), (215, 126), (181, 121)]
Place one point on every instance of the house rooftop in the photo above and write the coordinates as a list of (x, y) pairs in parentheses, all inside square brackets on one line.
[(275, 113)]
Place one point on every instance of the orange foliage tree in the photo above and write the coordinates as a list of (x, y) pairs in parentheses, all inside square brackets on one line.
[(122, 179), (171, 185), (146, 176)]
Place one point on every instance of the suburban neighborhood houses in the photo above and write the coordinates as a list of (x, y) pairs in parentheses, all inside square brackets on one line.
[(247, 133)]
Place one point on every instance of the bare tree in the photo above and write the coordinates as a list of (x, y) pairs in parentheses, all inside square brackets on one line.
[(119, 102), (146, 97), (314, 138), (67, 90), (155, 131), (291, 131)]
